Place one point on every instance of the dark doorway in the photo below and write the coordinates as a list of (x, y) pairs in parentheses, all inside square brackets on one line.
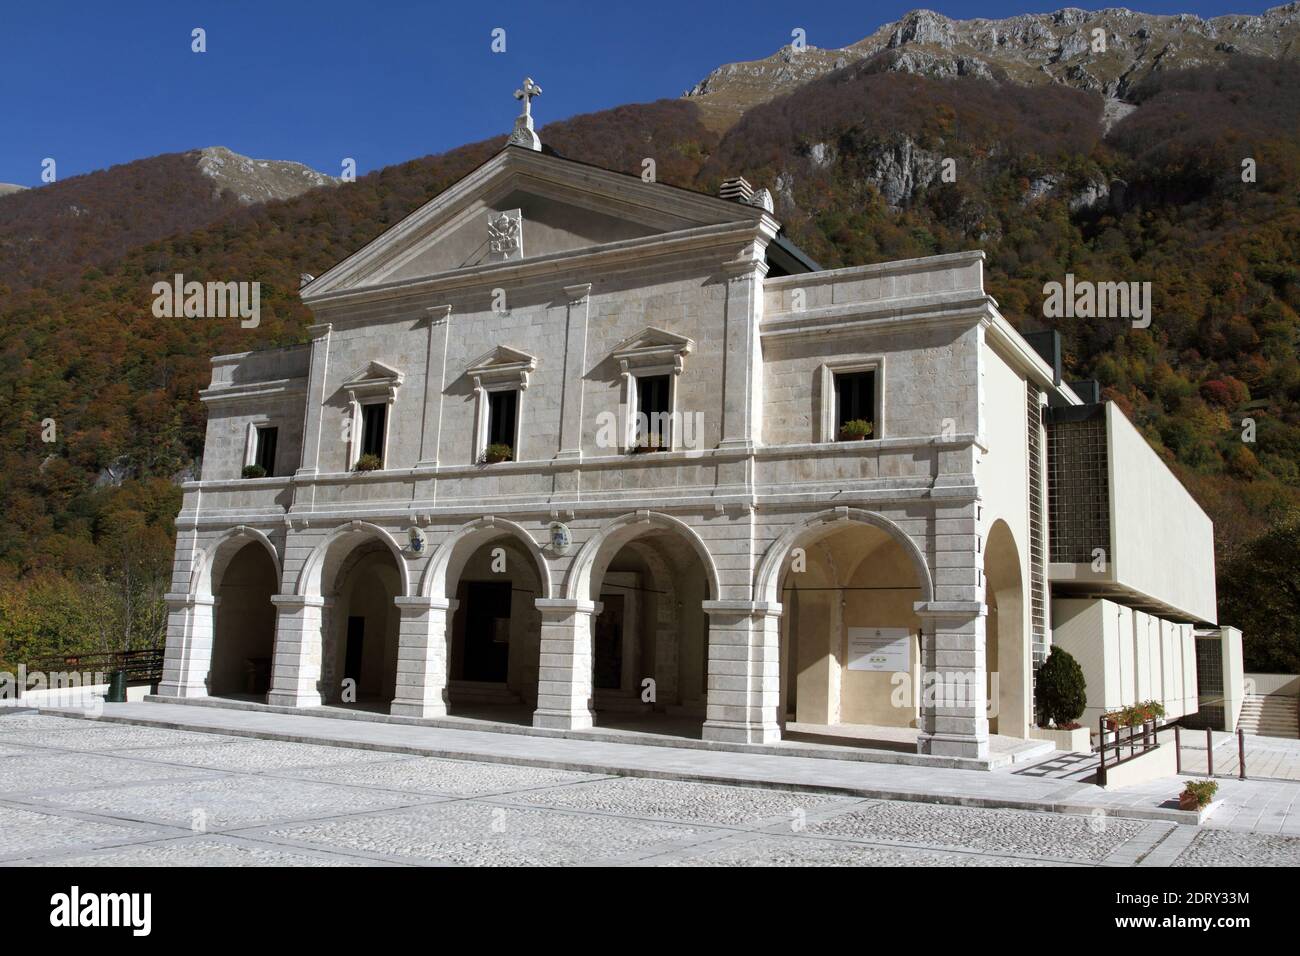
[(608, 641), (352, 656), (487, 630)]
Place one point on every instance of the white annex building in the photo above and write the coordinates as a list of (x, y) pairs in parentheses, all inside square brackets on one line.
[(574, 446)]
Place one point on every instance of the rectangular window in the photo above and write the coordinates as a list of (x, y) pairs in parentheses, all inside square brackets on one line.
[(503, 412), (855, 399), (264, 454), (653, 411), (374, 417)]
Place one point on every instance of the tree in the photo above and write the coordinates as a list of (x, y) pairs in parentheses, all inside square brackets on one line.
[(1259, 592), (1061, 692)]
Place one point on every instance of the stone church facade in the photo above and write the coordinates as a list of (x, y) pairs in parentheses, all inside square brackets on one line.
[(605, 472)]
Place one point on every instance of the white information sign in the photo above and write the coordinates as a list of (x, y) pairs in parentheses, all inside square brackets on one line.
[(886, 649)]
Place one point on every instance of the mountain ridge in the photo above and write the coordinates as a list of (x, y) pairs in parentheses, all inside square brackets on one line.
[(1055, 47)]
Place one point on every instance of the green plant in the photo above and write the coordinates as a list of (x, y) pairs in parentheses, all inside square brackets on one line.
[(1152, 709), (1202, 791), (498, 452), (855, 429), (254, 471), (649, 443), (1061, 692), (368, 463)]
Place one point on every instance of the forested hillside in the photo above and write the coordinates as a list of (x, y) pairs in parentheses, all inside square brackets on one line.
[(852, 160)]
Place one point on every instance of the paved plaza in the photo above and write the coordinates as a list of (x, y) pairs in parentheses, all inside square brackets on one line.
[(76, 792)]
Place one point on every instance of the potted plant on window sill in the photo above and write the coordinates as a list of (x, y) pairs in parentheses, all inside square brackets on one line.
[(497, 452), (368, 463), (855, 430), (254, 471), (649, 443)]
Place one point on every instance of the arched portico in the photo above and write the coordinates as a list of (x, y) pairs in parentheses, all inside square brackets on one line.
[(246, 564), (1007, 655), (629, 634), (305, 621)]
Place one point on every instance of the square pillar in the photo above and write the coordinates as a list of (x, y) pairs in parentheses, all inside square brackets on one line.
[(744, 688), (564, 672), (954, 695), (188, 657), (296, 666), (421, 689)]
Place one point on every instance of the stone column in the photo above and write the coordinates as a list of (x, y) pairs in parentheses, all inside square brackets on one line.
[(954, 698), (188, 657), (575, 360), (564, 675), (422, 657), (744, 693), (296, 666)]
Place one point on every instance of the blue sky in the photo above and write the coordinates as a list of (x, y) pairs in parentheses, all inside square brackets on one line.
[(96, 83)]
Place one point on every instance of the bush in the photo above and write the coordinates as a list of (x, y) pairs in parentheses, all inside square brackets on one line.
[(1061, 693), (254, 471), (1202, 791), (498, 452), (368, 463)]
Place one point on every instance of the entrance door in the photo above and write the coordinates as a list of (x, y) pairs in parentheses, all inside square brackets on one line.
[(487, 630), (352, 655), (608, 641)]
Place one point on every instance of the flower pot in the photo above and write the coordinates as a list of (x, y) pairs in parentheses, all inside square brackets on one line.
[(1187, 801)]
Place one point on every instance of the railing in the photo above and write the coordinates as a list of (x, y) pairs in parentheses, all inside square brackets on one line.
[(1209, 752), (140, 666), (1138, 743)]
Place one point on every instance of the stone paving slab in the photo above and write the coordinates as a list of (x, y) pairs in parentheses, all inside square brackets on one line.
[(200, 851), (373, 807), (35, 771), (852, 778), (474, 834), (433, 775), (222, 802)]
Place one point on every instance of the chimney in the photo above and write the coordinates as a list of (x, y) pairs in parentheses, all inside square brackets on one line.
[(736, 189)]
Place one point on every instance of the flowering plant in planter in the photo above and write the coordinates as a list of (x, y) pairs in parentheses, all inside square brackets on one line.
[(368, 463), (1197, 794), (648, 443), (855, 430), (498, 452)]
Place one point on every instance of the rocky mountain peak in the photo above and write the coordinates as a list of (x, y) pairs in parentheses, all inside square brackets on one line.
[(1104, 51), (257, 180)]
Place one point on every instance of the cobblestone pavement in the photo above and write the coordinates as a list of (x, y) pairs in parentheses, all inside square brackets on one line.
[(79, 793)]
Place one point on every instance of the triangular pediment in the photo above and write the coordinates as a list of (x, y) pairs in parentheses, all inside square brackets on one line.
[(653, 342), (373, 373), (561, 207), (502, 357)]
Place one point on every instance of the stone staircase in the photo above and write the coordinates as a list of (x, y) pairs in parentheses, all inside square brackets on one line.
[(1270, 715)]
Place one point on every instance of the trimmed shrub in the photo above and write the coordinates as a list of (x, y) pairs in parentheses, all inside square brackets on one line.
[(369, 463), (254, 471), (1061, 692)]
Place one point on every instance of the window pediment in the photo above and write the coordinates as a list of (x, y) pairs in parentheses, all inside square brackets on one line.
[(502, 366), (653, 347), (373, 378)]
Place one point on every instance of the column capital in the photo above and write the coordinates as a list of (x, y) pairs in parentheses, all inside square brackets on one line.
[(955, 610), (741, 608), (177, 601), (567, 606), (421, 602), (297, 600)]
